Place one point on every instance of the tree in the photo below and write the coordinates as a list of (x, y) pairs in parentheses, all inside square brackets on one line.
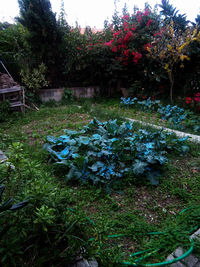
[(171, 48), (45, 36), (171, 13), (13, 47), (129, 41), (62, 17)]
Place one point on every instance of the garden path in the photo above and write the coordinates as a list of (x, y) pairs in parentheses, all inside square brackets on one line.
[(193, 137)]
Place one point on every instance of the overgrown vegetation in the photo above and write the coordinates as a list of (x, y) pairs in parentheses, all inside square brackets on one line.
[(154, 46), (55, 225), (106, 188)]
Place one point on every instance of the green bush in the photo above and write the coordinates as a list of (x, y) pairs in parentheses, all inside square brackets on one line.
[(4, 110), (46, 232)]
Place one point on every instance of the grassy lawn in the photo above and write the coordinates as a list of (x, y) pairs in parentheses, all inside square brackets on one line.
[(152, 117), (133, 209)]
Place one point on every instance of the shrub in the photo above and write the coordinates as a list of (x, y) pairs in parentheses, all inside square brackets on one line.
[(4, 110)]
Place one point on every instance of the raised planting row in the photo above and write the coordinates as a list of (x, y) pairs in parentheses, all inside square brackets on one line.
[(173, 114), (107, 152)]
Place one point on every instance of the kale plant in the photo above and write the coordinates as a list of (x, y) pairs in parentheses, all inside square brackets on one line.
[(174, 114), (104, 152), (128, 101)]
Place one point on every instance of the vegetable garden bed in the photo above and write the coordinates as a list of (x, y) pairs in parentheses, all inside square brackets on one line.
[(48, 232)]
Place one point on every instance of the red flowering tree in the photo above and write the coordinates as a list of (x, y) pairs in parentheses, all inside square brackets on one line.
[(118, 52), (133, 36), (130, 40)]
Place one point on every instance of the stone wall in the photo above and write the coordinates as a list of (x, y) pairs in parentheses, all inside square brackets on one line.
[(78, 92)]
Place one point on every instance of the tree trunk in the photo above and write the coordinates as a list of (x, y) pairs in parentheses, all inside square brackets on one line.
[(171, 79)]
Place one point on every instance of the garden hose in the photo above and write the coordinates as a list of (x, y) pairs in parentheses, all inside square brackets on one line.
[(148, 252)]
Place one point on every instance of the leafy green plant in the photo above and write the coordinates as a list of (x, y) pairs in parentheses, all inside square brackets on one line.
[(46, 228), (67, 96), (4, 110), (6, 206), (34, 80), (173, 114), (105, 152)]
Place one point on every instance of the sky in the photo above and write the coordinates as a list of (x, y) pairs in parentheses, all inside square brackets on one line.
[(93, 12)]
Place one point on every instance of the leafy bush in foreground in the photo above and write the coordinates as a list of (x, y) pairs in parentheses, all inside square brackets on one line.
[(104, 152), (39, 234)]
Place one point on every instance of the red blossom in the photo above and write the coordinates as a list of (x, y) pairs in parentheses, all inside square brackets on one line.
[(79, 48), (128, 36), (126, 53), (149, 22), (197, 97), (126, 26), (119, 41), (147, 12), (123, 46), (139, 18), (114, 49), (117, 33), (109, 44), (188, 100), (125, 17), (133, 28), (137, 56)]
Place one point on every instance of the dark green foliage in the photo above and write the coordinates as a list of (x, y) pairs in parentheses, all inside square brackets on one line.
[(43, 230), (45, 36), (171, 13), (105, 152), (14, 49), (4, 110), (67, 96), (7, 205)]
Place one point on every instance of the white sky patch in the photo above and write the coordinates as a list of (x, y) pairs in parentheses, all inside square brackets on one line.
[(94, 12)]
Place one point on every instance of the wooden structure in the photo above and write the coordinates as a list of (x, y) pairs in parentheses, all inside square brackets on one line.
[(15, 95)]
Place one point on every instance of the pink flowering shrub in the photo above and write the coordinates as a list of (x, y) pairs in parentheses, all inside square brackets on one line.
[(133, 36)]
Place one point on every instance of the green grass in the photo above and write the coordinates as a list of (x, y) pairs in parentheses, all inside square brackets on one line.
[(114, 106), (133, 209)]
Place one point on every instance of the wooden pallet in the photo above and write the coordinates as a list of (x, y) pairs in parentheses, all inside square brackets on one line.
[(15, 95)]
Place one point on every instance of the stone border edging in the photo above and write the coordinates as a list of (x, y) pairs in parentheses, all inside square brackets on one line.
[(193, 137), (191, 260)]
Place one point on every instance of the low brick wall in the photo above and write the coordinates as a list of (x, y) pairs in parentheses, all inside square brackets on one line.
[(78, 92), (51, 94)]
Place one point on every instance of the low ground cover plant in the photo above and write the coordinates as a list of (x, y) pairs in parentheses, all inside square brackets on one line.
[(107, 152), (175, 115)]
